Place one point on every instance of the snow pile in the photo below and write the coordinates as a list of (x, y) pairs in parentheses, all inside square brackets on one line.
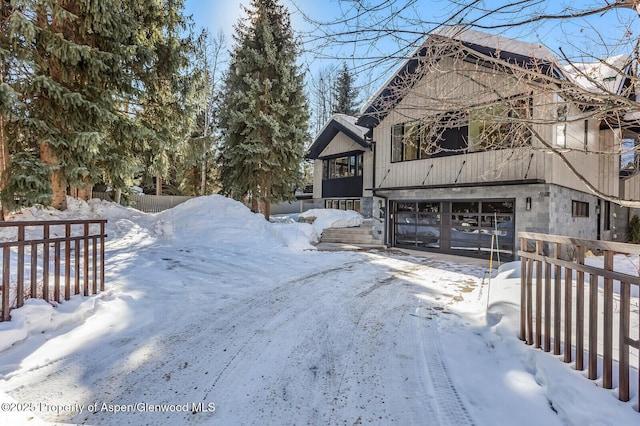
[(211, 220), (333, 218)]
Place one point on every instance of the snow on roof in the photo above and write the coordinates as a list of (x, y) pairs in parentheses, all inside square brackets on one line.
[(471, 38), (350, 122), (337, 123), (606, 76), (466, 35)]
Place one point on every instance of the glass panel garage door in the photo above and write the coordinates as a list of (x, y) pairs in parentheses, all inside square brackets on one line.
[(471, 228), (418, 224)]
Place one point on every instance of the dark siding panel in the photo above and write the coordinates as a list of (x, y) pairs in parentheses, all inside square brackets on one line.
[(343, 187)]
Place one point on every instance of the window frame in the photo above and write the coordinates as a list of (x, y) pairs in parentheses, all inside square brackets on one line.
[(579, 208), (343, 166)]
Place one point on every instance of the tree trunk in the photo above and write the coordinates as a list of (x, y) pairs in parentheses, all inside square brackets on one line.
[(83, 192), (265, 198), (203, 170), (4, 153), (158, 185), (59, 188)]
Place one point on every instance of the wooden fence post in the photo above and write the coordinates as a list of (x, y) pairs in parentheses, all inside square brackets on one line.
[(557, 306), (20, 277), (86, 259), (593, 327), (523, 292), (67, 262), (623, 339), (607, 362), (538, 296), (580, 311), (45, 264), (6, 282)]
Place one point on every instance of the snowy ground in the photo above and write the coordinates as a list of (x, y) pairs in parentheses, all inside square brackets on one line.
[(214, 316)]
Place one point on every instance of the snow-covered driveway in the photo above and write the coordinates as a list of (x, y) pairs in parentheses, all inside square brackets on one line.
[(311, 338), (214, 316)]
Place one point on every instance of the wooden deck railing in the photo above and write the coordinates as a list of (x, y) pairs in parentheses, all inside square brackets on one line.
[(70, 250), (556, 310)]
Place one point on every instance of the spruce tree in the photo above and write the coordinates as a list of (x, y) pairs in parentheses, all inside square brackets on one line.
[(345, 93), (88, 89), (264, 114)]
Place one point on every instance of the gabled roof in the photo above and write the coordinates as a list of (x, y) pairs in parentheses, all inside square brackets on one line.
[(337, 123), (523, 54)]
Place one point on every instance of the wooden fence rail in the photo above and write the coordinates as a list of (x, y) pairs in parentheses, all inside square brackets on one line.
[(73, 250), (557, 311)]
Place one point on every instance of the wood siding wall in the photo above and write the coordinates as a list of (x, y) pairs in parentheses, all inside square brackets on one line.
[(630, 188), (457, 82)]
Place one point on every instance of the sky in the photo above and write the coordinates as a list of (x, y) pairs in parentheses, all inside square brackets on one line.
[(373, 56), (208, 303)]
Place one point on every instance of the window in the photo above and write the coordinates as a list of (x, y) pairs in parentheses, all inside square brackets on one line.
[(579, 209), (343, 204), (586, 135), (628, 157), (561, 127), (407, 142), (503, 125), (420, 140), (341, 167), (606, 216)]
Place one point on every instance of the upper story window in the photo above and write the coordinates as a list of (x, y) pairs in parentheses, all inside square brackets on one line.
[(503, 125), (418, 140), (408, 142), (340, 167), (629, 153)]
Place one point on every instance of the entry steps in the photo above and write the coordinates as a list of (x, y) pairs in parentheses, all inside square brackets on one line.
[(367, 235)]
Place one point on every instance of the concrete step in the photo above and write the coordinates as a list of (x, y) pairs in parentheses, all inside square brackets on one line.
[(351, 240), (355, 235)]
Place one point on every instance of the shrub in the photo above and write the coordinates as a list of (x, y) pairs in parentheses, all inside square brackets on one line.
[(633, 235)]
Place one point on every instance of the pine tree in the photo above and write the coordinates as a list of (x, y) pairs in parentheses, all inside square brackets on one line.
[(264, 114), (88, 89), (345, 93), (169, 100)]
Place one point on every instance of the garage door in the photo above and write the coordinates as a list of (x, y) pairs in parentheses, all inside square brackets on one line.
[(467, 227)]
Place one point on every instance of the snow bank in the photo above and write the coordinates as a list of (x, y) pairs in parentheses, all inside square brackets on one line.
[(211, 221)]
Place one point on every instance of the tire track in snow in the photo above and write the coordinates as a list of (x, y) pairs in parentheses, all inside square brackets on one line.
[(446, 402)]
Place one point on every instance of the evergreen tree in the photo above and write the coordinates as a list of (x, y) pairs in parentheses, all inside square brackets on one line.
[(88, 88), (345, 93), (264, 115), (169, 100)]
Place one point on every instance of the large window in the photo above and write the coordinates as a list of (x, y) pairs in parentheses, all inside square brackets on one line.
[(418, 140), (503, 125), (498, 126), (340, 167), (408, 142)]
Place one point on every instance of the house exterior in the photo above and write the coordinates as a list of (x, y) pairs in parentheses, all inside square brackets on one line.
[(465, 187), (343, 166)]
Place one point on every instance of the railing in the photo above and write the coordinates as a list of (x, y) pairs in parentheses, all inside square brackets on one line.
[(72, 249), (549, 304)]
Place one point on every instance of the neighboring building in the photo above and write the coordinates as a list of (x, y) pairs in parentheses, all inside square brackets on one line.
[(446, 190), (343, 165)]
